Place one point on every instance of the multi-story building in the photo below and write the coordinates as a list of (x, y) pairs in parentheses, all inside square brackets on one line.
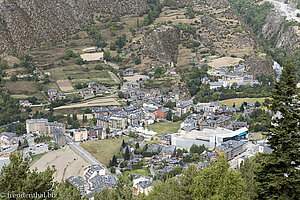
[(51, 126), (7, 139), (97, 131), (103, 121), (231, 148), (59, 137), (36, 126), (100, 111), (117, 122), (80, 134)]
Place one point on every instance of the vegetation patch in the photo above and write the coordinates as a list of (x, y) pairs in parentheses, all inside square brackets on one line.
[(103, 150)]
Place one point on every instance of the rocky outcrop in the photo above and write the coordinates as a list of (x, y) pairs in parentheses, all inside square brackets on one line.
[(161, 44), (289, 38), (272, 24), (26, 23), (258, 65)]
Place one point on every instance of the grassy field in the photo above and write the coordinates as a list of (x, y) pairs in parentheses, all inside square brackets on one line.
[(139, 171), (164, 127), (78, 74), (28, 88), (103, 150), (238, 101)]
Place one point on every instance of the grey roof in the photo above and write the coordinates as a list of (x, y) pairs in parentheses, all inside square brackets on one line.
[(54, 124), (145, 184), (58, 133), (97, 128), (33, 121), (170, 150), (91, 170), (100, 181), (129, 108), (78, 182), (114, 108), (9, 135), (100, 109), (216, 83)]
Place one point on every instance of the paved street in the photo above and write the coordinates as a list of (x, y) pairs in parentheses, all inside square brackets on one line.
[(86, 155)]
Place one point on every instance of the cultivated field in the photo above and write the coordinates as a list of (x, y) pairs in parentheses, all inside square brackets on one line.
[(224, 61), (164, 127), (82, 74), (238, 101), (92, 103), (28, 88), (92, 56), (65, 85), (103, 150), (67, 163)]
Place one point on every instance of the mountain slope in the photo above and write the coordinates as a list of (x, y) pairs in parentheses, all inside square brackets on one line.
[(24, 24)]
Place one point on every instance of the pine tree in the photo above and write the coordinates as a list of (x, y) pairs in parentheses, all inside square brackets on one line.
[(279, 176), (114, 161), (127, 154), (137, 145), (123, 144), (17, 178)]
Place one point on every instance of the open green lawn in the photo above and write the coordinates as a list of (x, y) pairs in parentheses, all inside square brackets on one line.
[(238, 101), (164, 127), (78, 74), (139, 171), (103, 150)]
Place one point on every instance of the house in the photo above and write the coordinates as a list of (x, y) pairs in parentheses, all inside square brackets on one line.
[(129, 109), (215, 85), (87, 93), (59, 137), (142, 184), (100, 182), (162, 113), (52, 92), (8, 139), (128, 72), (93, 170), (92, 85), (25, 103), (149, 120), (61, 96), (168, 152), (51, 126), (78, 182), (205, 80), (183, 108), (79, 134), (238, 125), (207, 107), (97, 132), (154, 148), (36, 126)]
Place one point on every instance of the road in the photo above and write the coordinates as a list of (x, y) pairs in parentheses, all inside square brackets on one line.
[(112, 65), (85, 155), (114, 77), (290, 13)]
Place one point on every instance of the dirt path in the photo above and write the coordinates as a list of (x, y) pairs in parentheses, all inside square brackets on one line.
[(114, 77), (92, 103)]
